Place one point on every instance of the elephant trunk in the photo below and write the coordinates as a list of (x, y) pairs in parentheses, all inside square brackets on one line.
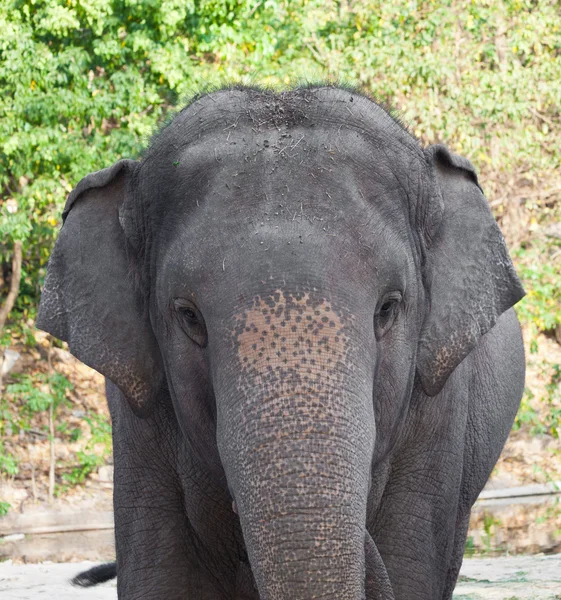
[(300, 482), (296, 436)]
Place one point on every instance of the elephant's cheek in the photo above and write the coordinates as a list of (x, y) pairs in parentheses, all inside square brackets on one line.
[(193, 403), (296, 437)]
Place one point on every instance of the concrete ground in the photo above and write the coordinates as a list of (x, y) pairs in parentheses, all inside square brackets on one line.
[(49, 581), (516, 578)]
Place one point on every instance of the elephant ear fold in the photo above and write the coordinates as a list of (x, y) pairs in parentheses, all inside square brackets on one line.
[(89, 299), (468, 273)]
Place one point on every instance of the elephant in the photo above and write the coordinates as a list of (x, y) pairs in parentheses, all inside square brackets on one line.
[(305, 320)]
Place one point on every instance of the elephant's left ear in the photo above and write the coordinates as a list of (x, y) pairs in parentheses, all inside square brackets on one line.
[(468, 273)]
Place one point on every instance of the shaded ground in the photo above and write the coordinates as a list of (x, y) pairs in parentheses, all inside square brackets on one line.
[(519, 578)]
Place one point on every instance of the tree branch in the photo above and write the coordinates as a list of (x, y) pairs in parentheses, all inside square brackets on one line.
[(14, 284)]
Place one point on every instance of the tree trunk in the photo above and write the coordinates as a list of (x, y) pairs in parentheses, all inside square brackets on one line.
[(14, 284), (10, 298)]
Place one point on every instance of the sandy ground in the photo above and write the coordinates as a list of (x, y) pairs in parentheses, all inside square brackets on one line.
[(517, 578)]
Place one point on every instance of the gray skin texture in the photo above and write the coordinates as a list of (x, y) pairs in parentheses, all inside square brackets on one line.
[(312, 362)]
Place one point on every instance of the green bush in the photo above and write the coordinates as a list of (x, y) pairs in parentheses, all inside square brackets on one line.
[(23, 400), (539, 267), (88, 460), (27, 402)]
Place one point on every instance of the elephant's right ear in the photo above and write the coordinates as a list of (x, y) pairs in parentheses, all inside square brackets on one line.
[(89, 299)]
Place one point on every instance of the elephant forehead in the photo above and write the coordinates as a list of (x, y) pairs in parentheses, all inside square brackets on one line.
[(291, 337)]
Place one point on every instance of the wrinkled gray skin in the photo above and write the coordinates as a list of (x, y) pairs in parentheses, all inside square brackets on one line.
[(305, 320)]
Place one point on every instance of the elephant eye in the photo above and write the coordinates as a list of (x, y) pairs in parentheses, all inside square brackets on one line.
[(387, 307), (191, 321), (385, 315), (189, 314)]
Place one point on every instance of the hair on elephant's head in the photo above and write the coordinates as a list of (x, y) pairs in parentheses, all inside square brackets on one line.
[(288, 266)]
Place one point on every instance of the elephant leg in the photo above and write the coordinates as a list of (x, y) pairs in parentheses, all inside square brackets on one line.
[(415, 523), (493, 403), (377, 582), (414, 529), (157, 552), (462, 526), (245, 585)]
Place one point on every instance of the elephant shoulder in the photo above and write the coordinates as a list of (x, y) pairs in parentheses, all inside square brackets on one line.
[(498, 362), (496, 384)]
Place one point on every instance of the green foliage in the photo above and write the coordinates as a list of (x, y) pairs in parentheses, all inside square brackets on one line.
[(30, 396), (36, 400), (39, 391), (21, 401), (527, 415), (89, 461), (553, 398), (84, 83), (4, 508), (100, 429), (8, 464), (470, 549), (551, 512), (539, 267), (58, 385), (491, 525), (488, 547), (550, 421)]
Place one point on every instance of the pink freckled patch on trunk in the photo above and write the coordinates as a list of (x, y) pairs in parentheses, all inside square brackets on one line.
[(291, 338)]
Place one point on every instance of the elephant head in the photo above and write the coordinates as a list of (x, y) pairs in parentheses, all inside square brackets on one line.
[(289, 266)]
